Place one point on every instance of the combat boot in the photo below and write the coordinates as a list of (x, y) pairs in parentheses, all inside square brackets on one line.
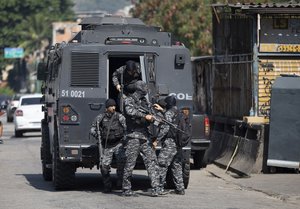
[(162, 191), (155, 192), (179, 192), (129, 193)]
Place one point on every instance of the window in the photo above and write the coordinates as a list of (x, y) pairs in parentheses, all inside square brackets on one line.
[(31, 101)]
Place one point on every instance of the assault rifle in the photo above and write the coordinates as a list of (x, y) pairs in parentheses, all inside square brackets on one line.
[(122, 93), (100, 144), (158, 119)]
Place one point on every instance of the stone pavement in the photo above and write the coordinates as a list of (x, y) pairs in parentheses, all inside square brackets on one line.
[(285, 186)]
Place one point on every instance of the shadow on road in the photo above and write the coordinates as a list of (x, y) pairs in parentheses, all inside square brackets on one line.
[(28, 135), (88, 182)]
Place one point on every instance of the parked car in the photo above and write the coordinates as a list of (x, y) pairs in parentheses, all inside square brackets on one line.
[(4, 101), (12, 106), (28, 115)]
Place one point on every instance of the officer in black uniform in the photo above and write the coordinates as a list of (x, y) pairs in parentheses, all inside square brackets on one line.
[(130, 72), (111, 126), (138, 139)]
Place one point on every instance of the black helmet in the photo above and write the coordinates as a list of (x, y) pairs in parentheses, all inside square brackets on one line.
[(109, 103), (162, 103), (140, 89), (131, 65), (170, 101)]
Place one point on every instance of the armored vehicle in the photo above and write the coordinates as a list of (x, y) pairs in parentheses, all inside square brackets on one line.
[(78, 79)]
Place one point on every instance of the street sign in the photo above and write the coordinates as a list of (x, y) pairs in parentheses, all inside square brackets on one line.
[(10, 53)]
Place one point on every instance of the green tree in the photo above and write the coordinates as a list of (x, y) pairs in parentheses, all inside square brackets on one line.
[(189, 20), (35, 33), (34, 17), (6, 91), (27, 23)]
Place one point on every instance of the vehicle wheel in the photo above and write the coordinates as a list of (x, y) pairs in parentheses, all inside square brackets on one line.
[(198, 159), (18, 133), (46, 157), (185, 175), (63, 174)]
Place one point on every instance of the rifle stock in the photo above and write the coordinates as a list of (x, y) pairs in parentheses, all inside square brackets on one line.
[(100, 144), (122, 93)]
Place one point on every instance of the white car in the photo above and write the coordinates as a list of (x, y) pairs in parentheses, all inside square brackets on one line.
[(12, 106), (28, 115)]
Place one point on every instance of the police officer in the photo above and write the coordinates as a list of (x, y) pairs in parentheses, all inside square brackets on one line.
[(170, 154), (130, 73), (162, 128), (111, 126), (137, 123)]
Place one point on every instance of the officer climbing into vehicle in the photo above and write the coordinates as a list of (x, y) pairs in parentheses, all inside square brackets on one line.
[(138, 139), (126, 75), (171, 153), (110, 128)]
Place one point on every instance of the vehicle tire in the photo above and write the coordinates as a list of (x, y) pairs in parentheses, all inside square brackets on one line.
[(18, 133), (198, 157), (63, 174), (185, 176), (46, 156)]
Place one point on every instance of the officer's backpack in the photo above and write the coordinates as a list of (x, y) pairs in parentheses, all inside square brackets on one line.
[(183, 135)]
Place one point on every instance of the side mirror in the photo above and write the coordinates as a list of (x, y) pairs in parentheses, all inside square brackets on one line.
[(41, 71)]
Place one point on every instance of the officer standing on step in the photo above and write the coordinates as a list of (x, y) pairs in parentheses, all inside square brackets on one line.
[(110, 128), (138, 139)]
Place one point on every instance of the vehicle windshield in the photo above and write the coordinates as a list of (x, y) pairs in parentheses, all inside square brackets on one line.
[(31, 101), (16, 96)]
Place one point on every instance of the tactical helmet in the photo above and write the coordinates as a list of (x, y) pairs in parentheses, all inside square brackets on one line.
[(131, 66), (109, 103), (141, 89), (170, 101), (162, 103)]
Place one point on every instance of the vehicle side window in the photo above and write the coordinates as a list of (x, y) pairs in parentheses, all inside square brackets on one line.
[(31, 101)]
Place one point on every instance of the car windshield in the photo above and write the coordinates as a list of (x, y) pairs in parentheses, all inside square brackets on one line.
[(31, 101), (17, 97)]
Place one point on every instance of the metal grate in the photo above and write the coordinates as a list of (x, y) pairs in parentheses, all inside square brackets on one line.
[(85, 69)]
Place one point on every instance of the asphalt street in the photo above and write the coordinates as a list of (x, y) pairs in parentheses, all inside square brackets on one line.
[(22, 185)]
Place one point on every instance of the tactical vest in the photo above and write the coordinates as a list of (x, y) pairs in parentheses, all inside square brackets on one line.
[(116, 130), (134, 123)]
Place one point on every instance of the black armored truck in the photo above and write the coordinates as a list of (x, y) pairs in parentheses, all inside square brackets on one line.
[(77, 79)]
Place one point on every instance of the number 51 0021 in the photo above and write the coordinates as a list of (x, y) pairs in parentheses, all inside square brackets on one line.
[(73, 93)]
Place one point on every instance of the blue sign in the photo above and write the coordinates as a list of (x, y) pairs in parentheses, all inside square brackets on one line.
[(13, 53)]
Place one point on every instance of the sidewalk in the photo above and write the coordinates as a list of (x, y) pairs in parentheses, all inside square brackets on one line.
[(285, 186)]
